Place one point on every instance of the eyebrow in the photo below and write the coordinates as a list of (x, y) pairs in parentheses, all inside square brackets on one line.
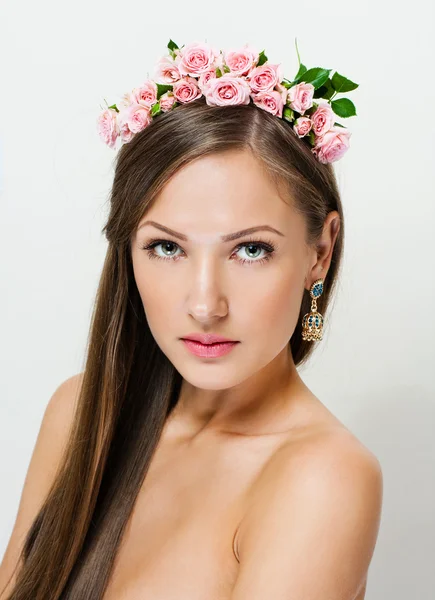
[(229, 237)]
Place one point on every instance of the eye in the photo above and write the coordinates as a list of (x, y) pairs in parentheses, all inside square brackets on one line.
[(165, 245), (255, 248), (250, 247)]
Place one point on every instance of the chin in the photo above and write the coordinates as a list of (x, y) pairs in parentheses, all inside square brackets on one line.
[(210, 375)]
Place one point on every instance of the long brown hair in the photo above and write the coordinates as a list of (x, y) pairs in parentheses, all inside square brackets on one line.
[(129, 386)]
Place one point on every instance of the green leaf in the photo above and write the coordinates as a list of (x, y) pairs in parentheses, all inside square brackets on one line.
[(302, 70), (114, 107), (155, 110), (316, 76), (343, 107), (325, 91), (218, 72), (285, 84), (162, 89), (288, 114), (338, 125), (227, 69), (172, 46), (312, 137), (262, 58), (342, 84)]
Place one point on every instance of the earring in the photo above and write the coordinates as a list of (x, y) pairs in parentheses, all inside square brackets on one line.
[(312, 323)]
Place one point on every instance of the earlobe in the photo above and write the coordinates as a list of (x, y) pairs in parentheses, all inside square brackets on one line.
[(321, 275)]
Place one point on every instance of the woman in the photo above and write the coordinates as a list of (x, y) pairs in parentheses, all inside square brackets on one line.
[(171, 469)]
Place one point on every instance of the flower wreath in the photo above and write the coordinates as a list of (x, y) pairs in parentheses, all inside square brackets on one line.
[(235, 77)]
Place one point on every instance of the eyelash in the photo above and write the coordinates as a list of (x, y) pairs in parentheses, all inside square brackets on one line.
[(267, 245)]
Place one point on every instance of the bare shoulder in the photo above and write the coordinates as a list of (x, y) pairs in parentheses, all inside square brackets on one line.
[(331, 461), (315, 509), (320, 458), (62, 404), (41, 472), (322, 450)]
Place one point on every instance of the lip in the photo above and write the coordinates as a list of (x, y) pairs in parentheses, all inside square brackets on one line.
[(214, 350), (207, 338)]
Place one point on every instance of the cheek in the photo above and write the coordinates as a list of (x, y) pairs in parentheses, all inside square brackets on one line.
[(160, 292), (155, 292), (276, 309)]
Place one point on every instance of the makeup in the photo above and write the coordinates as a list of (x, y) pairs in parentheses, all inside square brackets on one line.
[(209, 350)]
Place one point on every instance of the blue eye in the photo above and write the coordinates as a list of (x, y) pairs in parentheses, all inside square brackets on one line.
[(267, 247)]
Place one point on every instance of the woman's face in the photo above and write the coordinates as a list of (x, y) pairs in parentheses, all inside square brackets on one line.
[(247, 289)]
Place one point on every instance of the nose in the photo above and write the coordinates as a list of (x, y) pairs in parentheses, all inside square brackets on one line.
[(206, 298)]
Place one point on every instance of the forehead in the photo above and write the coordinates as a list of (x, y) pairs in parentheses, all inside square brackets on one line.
[(218, 192)]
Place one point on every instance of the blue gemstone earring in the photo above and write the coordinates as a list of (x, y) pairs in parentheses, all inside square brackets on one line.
[(312, 323)]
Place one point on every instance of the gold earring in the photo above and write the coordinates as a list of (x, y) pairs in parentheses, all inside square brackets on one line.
[(312, 323)]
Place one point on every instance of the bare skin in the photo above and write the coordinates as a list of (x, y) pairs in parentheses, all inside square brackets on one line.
[(198, 502), (183, 540), (255, 490)]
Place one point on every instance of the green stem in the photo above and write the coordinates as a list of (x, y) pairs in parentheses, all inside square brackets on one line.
[(297, 51)]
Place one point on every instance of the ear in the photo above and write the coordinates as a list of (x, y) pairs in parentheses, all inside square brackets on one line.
[(324, 249)]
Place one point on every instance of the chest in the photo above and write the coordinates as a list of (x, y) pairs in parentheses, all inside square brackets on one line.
[(178, 543)]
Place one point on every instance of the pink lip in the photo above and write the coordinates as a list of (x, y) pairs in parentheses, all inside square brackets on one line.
[(206, 338), (209, 350)]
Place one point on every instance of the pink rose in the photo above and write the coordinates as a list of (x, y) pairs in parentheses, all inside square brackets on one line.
[(146, 94), (108, 127), (204, 78), (166, 101), (270, 101), (196, 58), (332, 145), (302, 126), (322, 119), (264, 78), (133, 119), (126, 100), (125, 132), (300, 97), (226, 90), (186, 89), (241, 61), (167, 71)]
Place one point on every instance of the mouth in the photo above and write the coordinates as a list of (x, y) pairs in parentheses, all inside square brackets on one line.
[(208, 339), (213, 350)]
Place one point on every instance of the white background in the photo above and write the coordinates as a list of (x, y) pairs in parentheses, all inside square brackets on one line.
[(374, 368)]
